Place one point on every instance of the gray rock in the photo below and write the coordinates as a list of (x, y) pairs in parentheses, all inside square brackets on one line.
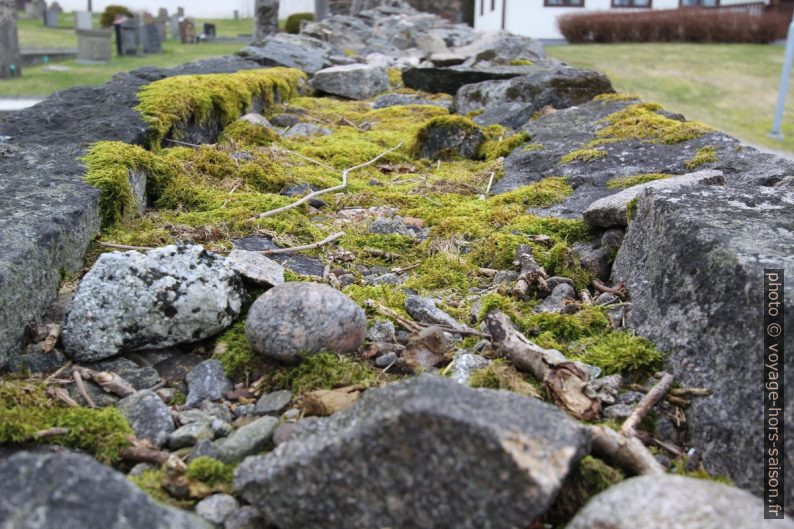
[(256, 268), (390, 226), (132, 301), (464, 365), (382, 331), (450, 80), (295, 262), (192, 415), (297, 319), (221, 428), (500, 47), (612, 239), (285, 120), (674, 501), (302, 130), (617, 411), (611, 211), (217, 508), (207, 381), (247, 440), (293, 51), (245, 517), (273, 403), (148, 416), (391, 100), (512, 102), (555, 303), (352, 81), (385, 360), (594, 260), (217, 410), (606, 299), (389, 278), (204, 448), (189, 435), (265, 17), (442, 140), (72, 491), (693, 262), (97, 395), (479, 451), (257, 119), (35, 360), (425, 310), (243, 410)]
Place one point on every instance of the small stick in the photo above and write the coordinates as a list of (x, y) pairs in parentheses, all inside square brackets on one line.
[(490, 181), (51, 432), (488, 272), (319, 192), (386, 311), (125, 246), (406, 268), (312, 160), (60, 370), (311, 246), (629, 427), (186, 144), (62, 395), (78, 380), (627, 452), (109, 382), (619, 290)]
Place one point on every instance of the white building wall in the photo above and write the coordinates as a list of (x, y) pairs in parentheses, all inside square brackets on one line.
[(290, 7)]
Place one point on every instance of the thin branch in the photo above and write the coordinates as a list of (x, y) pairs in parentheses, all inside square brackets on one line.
[(315, 194), (312, 160), (629, 427), (311, 246), (619, 290), (51, 432), (186, 144), (125, 247), (626, 452), (78, 380), (490, 182), (60, 370)]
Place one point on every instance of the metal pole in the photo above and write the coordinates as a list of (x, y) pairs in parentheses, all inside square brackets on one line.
[(785, 75)]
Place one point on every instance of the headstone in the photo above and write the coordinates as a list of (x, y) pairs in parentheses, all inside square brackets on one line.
[(36, 9), (173, 21), (151, 38), (187, 31), (236, 15), (94, 46), (162, 14), (10, 62), (265, 18), (127, 37), (161, 30), (55, 6), (83, 20), (51, 18), (180, 11), (209, 31)]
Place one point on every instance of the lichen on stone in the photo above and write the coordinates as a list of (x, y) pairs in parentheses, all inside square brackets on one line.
[(704, 155), (625, 182)]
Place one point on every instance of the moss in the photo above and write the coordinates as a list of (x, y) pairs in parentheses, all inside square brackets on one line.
[(564, 328), (704, 155), (643, 122), (386, 295), (589, 477), (533, 147), (630, 181), (293, 24), (461, 124), (560, 261), (395, 78), (151, 482), (234, 352), (499, 144), (610, 97), (167, 103), (210, 471), (631, 209), (497, 250), (621, 352), (108, 164), (323, 371), (546, 192), (586, 154), (26, 409), (494, 301), (242, 132), (521, 62), (362, 245), (680, 467), (500, 375), (443, 271)]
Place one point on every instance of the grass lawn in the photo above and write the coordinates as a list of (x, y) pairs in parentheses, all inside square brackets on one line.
[(38, 81), (731, 87)]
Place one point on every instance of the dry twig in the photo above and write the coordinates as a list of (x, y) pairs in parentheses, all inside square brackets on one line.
[(78, 380), (294, 249), (629, 427)]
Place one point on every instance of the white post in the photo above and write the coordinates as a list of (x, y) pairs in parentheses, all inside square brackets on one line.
[(785, 75)]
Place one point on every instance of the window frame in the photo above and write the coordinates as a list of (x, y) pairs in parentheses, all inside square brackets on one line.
[(547, 4), (633, 5), (698, 5)]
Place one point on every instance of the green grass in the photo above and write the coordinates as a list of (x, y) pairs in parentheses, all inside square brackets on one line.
[(731, 87)]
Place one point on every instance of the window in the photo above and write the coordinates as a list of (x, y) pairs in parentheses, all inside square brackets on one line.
[(699, 3), (563, 3), (633, 3), (482, 7), (493, 5)]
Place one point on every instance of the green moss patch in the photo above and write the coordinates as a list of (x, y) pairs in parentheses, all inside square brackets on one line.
[(630, 181), (586, 154), (323, 371), (704, 155), (210, 471), (234, 352), (622, 352), (589, 477), (25, 409), (643, 122), (501, 375)]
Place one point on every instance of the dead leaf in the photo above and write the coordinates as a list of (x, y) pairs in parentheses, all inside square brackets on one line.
[(324, 402)]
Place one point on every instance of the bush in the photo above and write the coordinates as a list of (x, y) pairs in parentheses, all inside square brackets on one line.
[(675, 25), (109, 15), (293, 24)]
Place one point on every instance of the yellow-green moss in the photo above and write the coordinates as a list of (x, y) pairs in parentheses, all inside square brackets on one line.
[(234, 352), (631, 209), (501, 375), (622, 352), (443, 271), (589, 477), (521, 62), (643, 122), (387, 295), (610, 97), (458, 123), (151, 482), (704, 155), (533, 147), (499, 143), (630, 181), (680, 467), (222, 97), (496, 250), (242, 132), (26, 409), (544, 193), (395, 78), (583, 155), (210, 471), (323, 371), (564, 328)]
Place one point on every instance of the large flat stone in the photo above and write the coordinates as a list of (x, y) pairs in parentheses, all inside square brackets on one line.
[(449, 80), (693, 262)]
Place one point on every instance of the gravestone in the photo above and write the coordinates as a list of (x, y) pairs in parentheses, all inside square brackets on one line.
[(236, 15), (187, 31), (161, 30), (150, 38), (55, 6), (36, 9), (265, 18), (51, 18), (83, 20), (210, 31), (94, 46), (127, 37), (162, 14), (10, 61), (174, 24), (180, 11)]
